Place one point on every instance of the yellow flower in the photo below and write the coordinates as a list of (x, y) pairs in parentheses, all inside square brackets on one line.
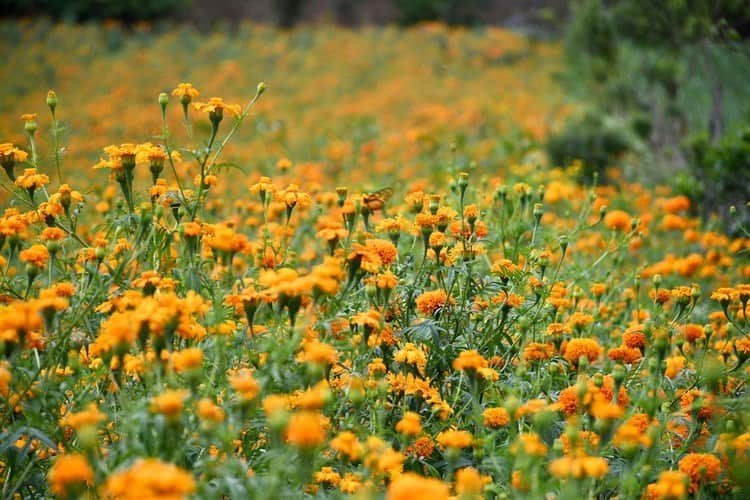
[(453, 438), (217, 105), (410, 424), (185, 91)]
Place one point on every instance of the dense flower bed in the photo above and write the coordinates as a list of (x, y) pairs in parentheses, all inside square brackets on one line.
[(478, 326)]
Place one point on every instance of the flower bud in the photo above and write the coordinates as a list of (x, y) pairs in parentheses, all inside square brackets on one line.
[(52, 101), (163, 101)]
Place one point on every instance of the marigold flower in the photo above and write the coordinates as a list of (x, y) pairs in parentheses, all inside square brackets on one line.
[(149, 478), (245, 385), (346, 443), (318, 352), (70, 473), (170, 403), (37, 255), (577, 348), (307, 429), (701, 468), (431, 302), (671, 485), (454, 438), (327, 476), (470, 483), (31, 180), (91, 416), (209, 412), (185, 90), (578, 467), (410, 424), (217, 105), (530, 444), (412, 354), (187, 359), (496, 417), (409, 486), (617, 219)]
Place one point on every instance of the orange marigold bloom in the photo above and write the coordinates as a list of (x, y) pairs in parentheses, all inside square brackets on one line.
[(31, 179), (496, 417), (434, 301), (187, 359), (52, 234), (675, 364), (170, 403), (529, 443), (672, 485), (318, 352), (701, 468), (454, 438), (307, 429), (210, 412), (346, 443), (149, 478), (185, 90), (422, 447), (576, 348), (618, 220), (245, 385), (634, 337), (37, 255), (536, 351), (470, 483), (693, 332), (70, 473), (625, 354), (410, 424), (469, 360), (409, 486), (217, 105), (578, 466), (384, 249), (91, 416), (327, 476), (412, 354)]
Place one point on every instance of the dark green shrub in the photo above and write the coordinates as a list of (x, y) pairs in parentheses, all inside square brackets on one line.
[(591, 140), (81, 10), (456, 12), (722, 170)]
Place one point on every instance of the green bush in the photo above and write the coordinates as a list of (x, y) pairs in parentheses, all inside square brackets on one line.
[(81, 10), (591, 139), (455, 12), (723, 172)]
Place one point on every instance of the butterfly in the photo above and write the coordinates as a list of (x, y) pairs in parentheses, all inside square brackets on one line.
[(376, 200)]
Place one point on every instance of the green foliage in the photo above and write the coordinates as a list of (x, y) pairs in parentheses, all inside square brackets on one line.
[(449, 11), (80, 10), (722, 170), (591, 139)]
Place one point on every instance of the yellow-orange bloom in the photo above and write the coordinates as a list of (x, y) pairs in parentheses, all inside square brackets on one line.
[(307, 429), (70, 473), (149, 478), (409, 486)]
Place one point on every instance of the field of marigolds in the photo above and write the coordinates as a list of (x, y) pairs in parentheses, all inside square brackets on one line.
[(338, 264)]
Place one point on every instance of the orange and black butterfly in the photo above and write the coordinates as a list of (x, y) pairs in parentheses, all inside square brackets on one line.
[(376, 200)]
